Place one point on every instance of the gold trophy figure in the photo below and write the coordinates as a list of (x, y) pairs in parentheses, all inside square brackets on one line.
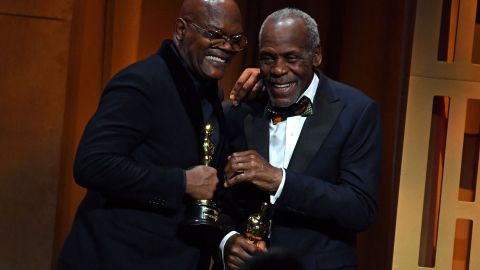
[(258, 226), (205, 212), (208, 147)]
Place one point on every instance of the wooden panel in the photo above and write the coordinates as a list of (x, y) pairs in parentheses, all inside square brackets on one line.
[(122, 35), (157, 23), (33, 61), (47, 9), (83, 89)]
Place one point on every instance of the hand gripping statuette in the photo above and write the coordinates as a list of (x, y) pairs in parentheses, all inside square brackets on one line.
[(205, 212)]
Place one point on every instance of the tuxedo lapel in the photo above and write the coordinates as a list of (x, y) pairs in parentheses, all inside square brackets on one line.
[(219, 154), (185, 88), (326, 108)]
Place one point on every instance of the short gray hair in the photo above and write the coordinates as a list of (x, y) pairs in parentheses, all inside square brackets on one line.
[(310, 23)]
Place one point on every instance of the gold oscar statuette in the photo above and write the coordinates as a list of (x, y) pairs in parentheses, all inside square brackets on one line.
[(204, 212), (208, 147), (258, 226)]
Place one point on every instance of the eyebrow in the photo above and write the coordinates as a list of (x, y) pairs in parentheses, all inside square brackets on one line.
[(276, 53), (212, 27)]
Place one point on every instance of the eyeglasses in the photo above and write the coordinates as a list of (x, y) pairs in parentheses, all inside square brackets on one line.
[(217, 37)]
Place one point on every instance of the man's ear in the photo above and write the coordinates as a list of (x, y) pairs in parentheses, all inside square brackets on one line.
[(317, 56), (180, 29)]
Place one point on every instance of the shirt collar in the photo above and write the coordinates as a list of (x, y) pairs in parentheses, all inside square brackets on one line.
[(311, 89)]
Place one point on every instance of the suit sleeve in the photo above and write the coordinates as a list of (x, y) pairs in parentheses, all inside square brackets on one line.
[(105, 162), (350, 200)]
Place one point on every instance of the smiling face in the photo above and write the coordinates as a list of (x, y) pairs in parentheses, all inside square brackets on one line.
[(205, 59), (286, 63)]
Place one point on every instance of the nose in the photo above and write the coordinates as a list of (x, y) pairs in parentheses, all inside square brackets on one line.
[(224, 45), (279, 68)]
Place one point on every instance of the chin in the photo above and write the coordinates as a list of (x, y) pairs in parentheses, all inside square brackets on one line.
[(212, 71), (281, 103), (282, 98), (216, 75)]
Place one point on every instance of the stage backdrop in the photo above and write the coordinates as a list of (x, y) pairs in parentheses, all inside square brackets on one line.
[(57, 55)]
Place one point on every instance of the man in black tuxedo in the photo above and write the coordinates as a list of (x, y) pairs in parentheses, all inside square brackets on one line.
[(140, 153), (313, 152)]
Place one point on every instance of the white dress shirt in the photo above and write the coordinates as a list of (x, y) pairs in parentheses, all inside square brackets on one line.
[(284, 137), (282, 141)]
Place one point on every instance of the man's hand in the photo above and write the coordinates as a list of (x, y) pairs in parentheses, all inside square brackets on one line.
[(201, 182), (249, 166), (249, 86), (237, 251)]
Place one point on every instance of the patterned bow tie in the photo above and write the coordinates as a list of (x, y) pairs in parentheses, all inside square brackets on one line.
[(278, 114)]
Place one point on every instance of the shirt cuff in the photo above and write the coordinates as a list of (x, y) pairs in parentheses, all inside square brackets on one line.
[(274, 198), (223, 242)]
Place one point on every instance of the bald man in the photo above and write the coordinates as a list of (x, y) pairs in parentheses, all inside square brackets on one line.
[(140, 153)]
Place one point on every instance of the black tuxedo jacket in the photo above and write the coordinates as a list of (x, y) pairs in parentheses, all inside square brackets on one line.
[(132, 158), (331, 181)]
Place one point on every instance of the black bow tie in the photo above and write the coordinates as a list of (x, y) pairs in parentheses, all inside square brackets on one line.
[(278, 114)]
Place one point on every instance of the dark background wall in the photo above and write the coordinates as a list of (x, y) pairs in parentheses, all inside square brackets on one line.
[(57, 55)]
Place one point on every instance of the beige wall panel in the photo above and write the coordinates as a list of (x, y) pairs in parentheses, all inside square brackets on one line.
[(460, 80), (426, 38), (54, 9), (412, 179), (413, 173), (32, 92), (426, 35)]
